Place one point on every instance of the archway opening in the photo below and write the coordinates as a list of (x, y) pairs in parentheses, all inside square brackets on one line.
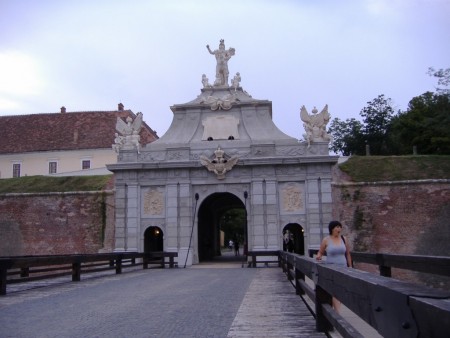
[(153, 239), (222, 218), (294, 239)]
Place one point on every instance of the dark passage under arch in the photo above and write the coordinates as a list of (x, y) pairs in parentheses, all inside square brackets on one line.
[(221, 213)]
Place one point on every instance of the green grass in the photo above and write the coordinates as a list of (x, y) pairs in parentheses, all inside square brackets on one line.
[(31, 184), (396, 168)]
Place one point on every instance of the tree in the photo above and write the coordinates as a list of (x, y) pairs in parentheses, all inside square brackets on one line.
[(377, 119), (443, 76), (351, 136), (425, 124), (347, 137)]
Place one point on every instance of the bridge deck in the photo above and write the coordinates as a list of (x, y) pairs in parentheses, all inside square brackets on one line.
[(207, 301), (271, 309)]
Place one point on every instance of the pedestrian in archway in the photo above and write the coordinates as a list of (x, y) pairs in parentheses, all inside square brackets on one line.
[(236, 248)]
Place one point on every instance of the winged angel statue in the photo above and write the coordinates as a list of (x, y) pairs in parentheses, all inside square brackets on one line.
[(128, 133), (315, 125), (219, 165)]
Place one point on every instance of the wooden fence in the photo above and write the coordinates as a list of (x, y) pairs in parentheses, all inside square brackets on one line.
[(394, 308), (29, 268)]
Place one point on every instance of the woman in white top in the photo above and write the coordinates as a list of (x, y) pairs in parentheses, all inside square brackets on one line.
[(337, 249)]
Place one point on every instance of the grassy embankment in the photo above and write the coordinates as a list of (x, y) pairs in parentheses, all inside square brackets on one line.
[(396, 168), (33, 184), (359, 168)]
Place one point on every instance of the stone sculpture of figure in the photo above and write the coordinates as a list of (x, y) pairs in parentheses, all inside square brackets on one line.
[(315, 125), (235, 81), (118, 142), (222, 57), (205, 82), (129, 138)]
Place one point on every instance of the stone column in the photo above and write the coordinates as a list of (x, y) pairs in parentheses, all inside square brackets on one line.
[(132, 216), (120, 212)]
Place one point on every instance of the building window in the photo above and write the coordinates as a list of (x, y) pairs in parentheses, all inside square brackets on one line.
[(52, 167), (86, 164), (16, 169)]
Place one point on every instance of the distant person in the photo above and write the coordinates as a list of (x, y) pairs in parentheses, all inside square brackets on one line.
[(230, 244), (337, 249), (236, 248)]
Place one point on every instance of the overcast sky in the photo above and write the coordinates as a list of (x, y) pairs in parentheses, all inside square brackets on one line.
[(89, 55)]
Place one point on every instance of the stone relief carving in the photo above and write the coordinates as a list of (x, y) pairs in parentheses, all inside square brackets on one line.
[(291, 151), (216, 103), (127, 136), (153, 202), (220, 127), (222, 56), (315, 125), (220, 164), (292, 198)]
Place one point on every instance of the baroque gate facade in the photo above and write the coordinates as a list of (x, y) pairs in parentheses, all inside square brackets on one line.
[(222, 151)]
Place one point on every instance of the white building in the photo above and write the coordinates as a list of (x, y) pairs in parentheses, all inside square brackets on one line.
[(64, 143)]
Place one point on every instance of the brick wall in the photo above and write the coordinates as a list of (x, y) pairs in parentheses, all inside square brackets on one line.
[(400, 218), (56, 223)]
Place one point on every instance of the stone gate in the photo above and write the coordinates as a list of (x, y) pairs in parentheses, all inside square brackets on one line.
[(223, 151)]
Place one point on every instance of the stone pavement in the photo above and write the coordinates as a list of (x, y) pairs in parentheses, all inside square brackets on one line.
[(223, 300)]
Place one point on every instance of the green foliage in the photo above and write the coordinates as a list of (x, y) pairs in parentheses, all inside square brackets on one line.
[(233, 223), (396, 168), (426, 125), (351, 136), (33, 184), (443, 76), (347, 137)]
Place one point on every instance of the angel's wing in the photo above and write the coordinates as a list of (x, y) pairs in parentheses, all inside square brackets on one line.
[(137, 123), (304, 116), (323, 117), (231, 162), (122, 127), (206, 162)]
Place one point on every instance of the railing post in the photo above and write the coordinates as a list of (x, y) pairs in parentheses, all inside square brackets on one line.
[(76, 272), (145, 261), (385, 271), (3, 274), (298, 276), (119, 265), (162, 261), (171, 262), (253, 260), (25, 272), (322, 297)]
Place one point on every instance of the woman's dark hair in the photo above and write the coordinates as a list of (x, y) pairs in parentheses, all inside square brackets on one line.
[(332, 225)]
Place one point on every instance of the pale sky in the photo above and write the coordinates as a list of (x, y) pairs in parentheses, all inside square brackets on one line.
[(89, 55)]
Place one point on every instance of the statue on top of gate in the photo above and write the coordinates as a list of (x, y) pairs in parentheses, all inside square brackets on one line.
[(222, 56), (315, 125), (128, 136)]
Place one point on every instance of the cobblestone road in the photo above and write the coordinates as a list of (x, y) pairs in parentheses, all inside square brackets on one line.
[(192, 302)]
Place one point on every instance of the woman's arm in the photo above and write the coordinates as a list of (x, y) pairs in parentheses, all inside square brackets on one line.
[(322, 249), (347, 254)]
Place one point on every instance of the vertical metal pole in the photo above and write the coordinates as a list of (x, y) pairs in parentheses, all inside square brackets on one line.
[(192, 230), (319, 186), (245, 230)]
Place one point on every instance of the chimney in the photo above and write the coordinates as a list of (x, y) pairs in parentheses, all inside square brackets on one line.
[(120, 107), (63, 109)]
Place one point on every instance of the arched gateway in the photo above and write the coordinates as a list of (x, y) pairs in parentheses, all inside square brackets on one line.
[(222, 152)]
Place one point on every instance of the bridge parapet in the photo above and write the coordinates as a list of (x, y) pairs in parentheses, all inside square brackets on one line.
[(394, 308)]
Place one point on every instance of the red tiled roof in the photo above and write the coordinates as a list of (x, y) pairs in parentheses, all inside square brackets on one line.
[(64, 131)]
